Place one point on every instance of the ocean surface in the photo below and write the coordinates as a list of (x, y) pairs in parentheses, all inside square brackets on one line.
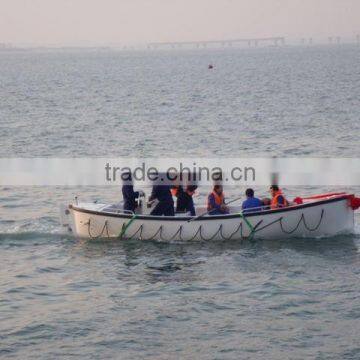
[(62, 297)]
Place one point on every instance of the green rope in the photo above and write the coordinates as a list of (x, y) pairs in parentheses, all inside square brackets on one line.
[(252, 230), (125, 227)]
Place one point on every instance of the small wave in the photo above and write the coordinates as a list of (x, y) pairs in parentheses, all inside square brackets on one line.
[(50, 269), (6, 222), (357, 230), (30, 235), (43, 226)]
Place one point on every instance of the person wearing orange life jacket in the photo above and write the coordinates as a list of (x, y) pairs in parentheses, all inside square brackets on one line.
[(278, 200), (216, 202)]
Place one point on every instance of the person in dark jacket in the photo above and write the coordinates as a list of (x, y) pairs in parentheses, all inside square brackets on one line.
[(165, 206), (185, 202), (129, 195)]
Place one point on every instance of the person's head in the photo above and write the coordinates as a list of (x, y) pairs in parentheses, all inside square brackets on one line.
[(249, 193), (126, 178), (274, 189), (218, 189), (190, 189)]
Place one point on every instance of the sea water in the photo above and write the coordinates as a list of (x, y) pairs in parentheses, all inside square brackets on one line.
[(64, 297)]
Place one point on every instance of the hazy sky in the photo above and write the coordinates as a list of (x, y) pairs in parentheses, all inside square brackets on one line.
[(139, 21)]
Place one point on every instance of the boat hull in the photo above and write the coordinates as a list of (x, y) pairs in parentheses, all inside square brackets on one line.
[(323, 218)]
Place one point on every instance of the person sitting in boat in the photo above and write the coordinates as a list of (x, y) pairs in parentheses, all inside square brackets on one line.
[(129, 195), (278, 200), (216, 202), (251, 203), (165, 205), (266, 202), (185, 202)]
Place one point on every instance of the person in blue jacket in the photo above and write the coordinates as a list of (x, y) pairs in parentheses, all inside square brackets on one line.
[(129, 195), (251, 203), (165, 206)]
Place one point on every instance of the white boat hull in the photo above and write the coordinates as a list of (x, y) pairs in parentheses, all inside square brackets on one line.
[(321, 218)]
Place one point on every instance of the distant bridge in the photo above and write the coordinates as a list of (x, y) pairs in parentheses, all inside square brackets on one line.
[(276, 41)]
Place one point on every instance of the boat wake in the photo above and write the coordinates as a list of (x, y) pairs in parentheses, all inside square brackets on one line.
[(31, 238), (41, 228)]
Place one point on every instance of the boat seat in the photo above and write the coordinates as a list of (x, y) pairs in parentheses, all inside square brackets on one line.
[(182, 214)]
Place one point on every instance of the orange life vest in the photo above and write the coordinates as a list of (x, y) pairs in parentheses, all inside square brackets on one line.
[(219, 199), (275, 201)]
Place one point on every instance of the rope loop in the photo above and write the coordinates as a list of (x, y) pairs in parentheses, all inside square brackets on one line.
[(102, 231)]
